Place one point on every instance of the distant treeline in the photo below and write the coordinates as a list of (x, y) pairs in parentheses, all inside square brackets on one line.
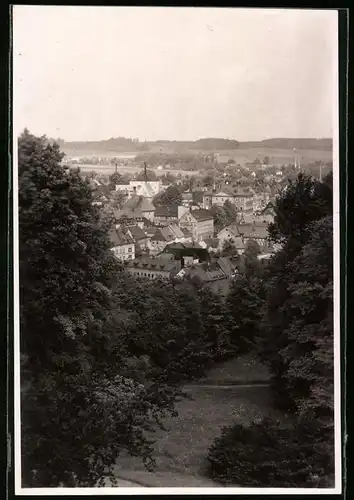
[(286, 143), (212, 144)]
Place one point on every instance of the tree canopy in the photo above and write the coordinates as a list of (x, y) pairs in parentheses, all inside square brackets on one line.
[(78, 410)]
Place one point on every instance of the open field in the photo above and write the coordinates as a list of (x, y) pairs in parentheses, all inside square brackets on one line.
[(277, 156)]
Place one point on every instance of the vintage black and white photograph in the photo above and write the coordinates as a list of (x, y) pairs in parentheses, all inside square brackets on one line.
[(176, 250)]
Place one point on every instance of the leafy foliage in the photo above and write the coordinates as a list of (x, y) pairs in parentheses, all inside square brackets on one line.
[(287, 314), (171, 196), (78, 410), (262, 455), (174, 325), (244, 312)]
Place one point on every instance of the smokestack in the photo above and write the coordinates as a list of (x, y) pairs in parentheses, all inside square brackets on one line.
[(145, 171)]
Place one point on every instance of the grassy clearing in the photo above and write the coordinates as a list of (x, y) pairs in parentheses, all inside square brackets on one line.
[(180, 450), (183, 446), (245, 370)]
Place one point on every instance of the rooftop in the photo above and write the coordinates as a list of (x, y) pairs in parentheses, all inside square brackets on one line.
[(166, 211), (118, 238), (136, 232), (151, 263), (202, 215)]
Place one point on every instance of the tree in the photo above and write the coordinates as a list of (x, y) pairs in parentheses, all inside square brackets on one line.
[(114, 179), (301, 203), (231, 211), (308, 311), (151, 176), (171, 196), (271, 453), (118, 199), (229, 249), (250, 255), (244, 305), (77, 410), (208, 180)]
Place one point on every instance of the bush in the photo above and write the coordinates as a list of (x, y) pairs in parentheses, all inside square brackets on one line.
[(268, 453)]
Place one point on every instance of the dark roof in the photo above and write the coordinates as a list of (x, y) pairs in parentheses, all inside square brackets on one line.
[(151, 230), (187, 232), (258, 230), (206, 273), (158, 236), (136, 232), (154, 264), (212, 242), (180, 250), (226, 266), (198, 196), (202, 215), (166, 211), (119, 237)]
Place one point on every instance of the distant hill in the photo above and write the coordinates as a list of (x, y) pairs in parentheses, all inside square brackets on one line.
[(286, 143), (208, 144)]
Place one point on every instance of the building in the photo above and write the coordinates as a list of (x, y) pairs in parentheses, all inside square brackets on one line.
[(164, 235), (256, 231), (200, 223), (130, 218), (232, 235), (153, 267), (166, 215), (183, 251), (242, 198), (215, 274), (148, 189), (140, 238), (141, 206), (101, 194), (123, 245), (187, 198), (212, 245)]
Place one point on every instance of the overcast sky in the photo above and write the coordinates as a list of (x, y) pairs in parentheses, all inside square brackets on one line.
[(91, 73)]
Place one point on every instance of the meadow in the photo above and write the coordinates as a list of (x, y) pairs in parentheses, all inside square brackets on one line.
[(181, 448)]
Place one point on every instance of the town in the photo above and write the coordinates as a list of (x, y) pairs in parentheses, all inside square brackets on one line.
[(175, 219), (198, 227)]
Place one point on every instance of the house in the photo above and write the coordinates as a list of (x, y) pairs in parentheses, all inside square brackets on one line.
[(148, 189), (200, 223), (187, 198), (242, 198), (164, 235), (153, 268), (130, 218), (140, 205), (231, 234), (166, 215), (215, 275), (255, 231), (123, 245), (212, 245), (140, 238), (183, 250), (101, 194)]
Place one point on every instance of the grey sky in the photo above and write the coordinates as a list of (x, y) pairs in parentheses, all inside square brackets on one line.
[(91, 73)]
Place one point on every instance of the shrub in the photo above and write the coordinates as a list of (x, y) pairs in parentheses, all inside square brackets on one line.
[(268, 453)]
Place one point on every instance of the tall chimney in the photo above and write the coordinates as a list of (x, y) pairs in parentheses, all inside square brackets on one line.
[(145, 171)]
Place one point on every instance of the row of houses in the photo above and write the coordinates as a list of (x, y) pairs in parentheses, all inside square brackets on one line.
[(130, 238), (181, 261)]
